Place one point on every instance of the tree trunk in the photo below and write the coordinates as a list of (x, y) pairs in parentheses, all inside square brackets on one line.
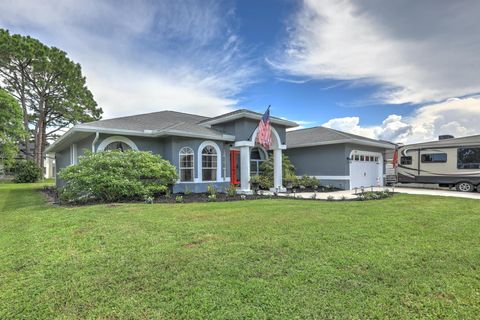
[(40, 133), (23, 102)]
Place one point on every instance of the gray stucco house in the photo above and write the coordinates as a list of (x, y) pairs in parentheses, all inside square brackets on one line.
[(222, 150), (337, 158), (218, 151)]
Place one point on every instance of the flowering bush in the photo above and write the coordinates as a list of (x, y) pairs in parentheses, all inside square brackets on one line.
[(113, 176)]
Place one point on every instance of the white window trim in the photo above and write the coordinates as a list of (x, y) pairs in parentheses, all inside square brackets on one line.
[(180, 165), (73, 154), (199, 161), (112, 139)]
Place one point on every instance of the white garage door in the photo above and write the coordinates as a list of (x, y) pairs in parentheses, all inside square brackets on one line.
[(366, 169)]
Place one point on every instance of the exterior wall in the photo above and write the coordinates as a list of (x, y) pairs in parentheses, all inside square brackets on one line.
[(243, 129), (327, 160), (63, 158), (168, 148), (328, 163)]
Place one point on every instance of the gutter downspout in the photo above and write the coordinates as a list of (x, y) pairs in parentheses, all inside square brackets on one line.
[(97, 135)]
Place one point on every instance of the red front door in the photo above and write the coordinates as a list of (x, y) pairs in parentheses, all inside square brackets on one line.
[(234, 166)]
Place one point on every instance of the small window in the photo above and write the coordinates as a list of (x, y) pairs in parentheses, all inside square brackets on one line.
[(406, 160), (434, 157), (367, 158), (186, 161), (117, 145), (209, 164), (362, 158), (468, 158), (376, 159), (357, 157)]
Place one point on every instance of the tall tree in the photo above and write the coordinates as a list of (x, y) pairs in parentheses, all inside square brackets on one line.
[(54, 90), (11, 127), (17, 54), (61, 97)]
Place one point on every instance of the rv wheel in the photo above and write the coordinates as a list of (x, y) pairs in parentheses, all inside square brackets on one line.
[(464, 186)]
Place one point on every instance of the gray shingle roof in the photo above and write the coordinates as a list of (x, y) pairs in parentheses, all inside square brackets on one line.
[(156, 121), (322, 135)]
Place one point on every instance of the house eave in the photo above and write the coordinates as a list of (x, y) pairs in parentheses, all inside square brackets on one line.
[(145, 133), (248, 115)]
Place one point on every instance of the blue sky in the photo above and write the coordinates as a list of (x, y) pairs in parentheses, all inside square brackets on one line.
[(396, 70)]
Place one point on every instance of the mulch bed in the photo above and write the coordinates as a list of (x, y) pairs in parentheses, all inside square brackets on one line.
[(52, 197)]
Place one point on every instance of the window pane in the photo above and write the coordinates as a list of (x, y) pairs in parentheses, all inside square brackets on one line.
[(357, 157), (434, 157), (117, 145), (362, 158), (406, 160), (468, 158), (209, 174), (186, 174)]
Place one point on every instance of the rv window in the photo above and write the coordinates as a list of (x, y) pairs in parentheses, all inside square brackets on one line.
[(468, 158), (367, 158), (357, 157), (434, 157), (362, 158), (406, 160), (376, 159)]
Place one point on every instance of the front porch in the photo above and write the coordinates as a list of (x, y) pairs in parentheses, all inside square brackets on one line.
[(244, 149)]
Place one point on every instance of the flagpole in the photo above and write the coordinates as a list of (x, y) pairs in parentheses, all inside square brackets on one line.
[(251, 134)]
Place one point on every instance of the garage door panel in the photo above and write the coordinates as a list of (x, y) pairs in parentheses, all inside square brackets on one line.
[(365, 173)]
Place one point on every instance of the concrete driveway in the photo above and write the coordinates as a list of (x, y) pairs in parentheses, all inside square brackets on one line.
[(350, 194), (438, 192)]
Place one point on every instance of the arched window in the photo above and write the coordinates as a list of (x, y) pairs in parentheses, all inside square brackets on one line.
[(257, 156), (186, 164), (209, 163), (117, 145)]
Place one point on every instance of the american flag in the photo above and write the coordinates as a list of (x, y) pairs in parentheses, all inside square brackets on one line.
[(264, 136)]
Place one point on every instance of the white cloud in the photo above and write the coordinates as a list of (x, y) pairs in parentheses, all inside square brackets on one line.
[(418, 51), (458, 117), (143, 56)]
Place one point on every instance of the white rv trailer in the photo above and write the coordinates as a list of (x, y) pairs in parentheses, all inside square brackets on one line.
[(448, 162)]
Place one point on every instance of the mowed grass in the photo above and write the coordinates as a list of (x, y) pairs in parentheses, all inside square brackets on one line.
[(405, 257)]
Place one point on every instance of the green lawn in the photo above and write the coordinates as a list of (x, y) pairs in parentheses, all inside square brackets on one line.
[(405, 257)]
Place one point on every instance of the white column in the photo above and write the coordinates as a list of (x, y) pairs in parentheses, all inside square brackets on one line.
[(277, 170), (245, 169)]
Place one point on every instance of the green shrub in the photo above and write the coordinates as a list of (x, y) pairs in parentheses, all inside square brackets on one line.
[(309, 182), (266, 177), (212, 197), (231, 191), (179, 199), (113, 175), (374, 195), (26, 171)]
